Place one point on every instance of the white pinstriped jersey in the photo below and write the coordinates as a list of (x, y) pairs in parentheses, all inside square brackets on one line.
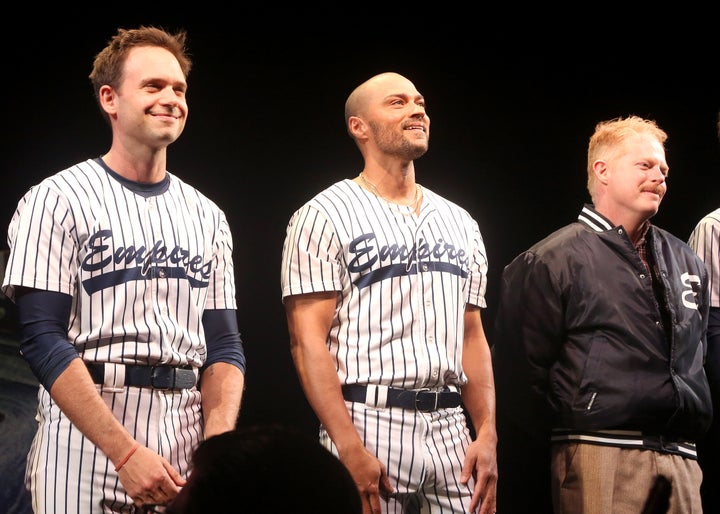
[(92, 237), (705, 240), (404, 281)]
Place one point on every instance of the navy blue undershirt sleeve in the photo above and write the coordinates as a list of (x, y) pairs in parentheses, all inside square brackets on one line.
[(222, 337), (43, 317)]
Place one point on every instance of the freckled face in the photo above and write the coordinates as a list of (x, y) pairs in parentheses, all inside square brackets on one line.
[(637, 177)]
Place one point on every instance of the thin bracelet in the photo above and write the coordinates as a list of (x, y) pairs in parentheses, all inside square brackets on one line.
[(127, 457)]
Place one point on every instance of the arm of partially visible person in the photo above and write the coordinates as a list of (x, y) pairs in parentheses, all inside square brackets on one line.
[(309, 318), (479, 400), (712, 370), (223, 375), (43, 315), (712, 360), (704, 241)]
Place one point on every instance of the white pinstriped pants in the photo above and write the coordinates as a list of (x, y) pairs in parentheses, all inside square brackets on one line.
[(423, 453)]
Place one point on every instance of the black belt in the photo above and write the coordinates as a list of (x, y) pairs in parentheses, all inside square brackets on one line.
[(423, 400), (157, 377)]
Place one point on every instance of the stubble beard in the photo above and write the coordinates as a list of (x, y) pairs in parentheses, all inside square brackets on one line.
[(398, 145)]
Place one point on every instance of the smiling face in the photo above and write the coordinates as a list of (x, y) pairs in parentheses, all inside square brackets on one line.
[(633, 178), (149, 107), (391, 118)]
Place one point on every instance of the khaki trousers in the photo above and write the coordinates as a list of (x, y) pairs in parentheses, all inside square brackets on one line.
[(593, 479)]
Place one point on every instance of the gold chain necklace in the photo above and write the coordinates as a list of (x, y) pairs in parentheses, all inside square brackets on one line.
[(375, 191)]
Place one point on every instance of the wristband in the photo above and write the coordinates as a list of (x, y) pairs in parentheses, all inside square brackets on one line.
[(127, 457)]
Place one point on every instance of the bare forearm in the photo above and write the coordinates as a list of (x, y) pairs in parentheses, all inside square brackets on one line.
[(78, 398), (319, 380), (479, 392), (309, 319), (222, 387)]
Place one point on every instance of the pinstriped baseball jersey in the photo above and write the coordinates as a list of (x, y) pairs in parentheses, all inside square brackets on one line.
[(142, 263), (705, 240), (404, 279), (141, 269)]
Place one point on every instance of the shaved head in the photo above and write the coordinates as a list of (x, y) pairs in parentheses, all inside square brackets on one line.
[(359, 99)]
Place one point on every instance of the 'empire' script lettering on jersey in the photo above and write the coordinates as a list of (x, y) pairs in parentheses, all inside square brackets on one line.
[(367, 253), (147, 260)]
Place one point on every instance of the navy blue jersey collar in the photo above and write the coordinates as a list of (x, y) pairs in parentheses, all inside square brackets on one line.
[(140, 188)]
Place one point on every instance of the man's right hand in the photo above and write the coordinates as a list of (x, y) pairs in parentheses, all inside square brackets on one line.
[(369, 475)]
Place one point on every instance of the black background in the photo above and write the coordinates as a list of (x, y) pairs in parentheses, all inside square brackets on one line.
[(513, 98)]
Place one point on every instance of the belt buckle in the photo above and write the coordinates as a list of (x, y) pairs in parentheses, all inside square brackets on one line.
[(184, 378), (422, 408), (162, 377)]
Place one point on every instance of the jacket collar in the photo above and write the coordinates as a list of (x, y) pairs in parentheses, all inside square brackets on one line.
[(593, 219)]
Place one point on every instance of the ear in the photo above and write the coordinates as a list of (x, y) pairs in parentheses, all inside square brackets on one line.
[(107, 99), (356, 127), (600, 168)]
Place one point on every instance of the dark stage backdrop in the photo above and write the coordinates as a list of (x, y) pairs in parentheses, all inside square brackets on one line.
[(513, 99)]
